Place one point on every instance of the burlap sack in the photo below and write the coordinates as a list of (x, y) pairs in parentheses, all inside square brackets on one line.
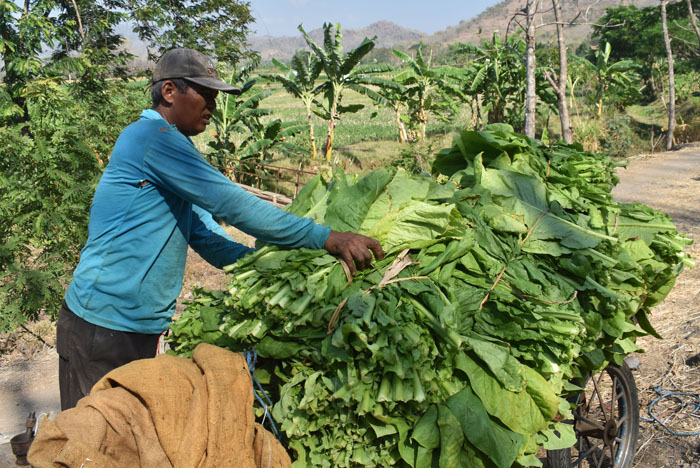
[(163, 412)]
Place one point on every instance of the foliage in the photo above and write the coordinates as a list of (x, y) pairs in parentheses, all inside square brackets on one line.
[(496, 80), (428, 90), (22, 37), (85, 46), (215, 27), (518, 275), (299, 80), (617, 78), (619, 136), (49, 166), (241, 137), (416, 159), (342, 72), (637, 35)]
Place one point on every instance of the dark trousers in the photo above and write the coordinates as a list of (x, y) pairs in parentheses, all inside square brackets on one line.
[(88, 352)]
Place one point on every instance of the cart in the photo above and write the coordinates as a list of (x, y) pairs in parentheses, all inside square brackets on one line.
[(606, 422)]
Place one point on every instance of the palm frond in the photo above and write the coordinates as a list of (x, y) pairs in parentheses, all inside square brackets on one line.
[(355, 55)]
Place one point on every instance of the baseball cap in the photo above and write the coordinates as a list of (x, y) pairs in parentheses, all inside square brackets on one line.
[(190, 65)]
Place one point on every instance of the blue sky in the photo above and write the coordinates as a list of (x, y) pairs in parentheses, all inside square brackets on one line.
[(281, 17)]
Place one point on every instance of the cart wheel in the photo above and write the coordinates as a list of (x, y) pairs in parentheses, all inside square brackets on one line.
[(606, 422)]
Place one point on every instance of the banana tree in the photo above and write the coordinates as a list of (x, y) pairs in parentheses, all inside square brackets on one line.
[(395, 98), (429, 90), (497, 78), (299, 80), (341, 73), (242, 137), (620, 76)]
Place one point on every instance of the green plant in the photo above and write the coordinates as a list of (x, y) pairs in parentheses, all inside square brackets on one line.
[(342, 72), (497, 79), (415, 159), (496, 290), (299, 80), (46, 184), (618, 138), (617, 78), (428, 90), (242, 138)]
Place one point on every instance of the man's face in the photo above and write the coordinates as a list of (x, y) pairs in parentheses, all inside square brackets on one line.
[(192, 110)]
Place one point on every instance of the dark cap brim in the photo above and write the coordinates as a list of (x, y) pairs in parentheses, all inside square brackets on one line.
[(213, 83)]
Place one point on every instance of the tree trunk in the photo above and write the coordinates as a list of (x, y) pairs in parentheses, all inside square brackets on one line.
[(530, 96), (422, 118), (560, 89), (403, 136), (331, 127), (693, 19), (671, 80), (80, 23), (312, 137)]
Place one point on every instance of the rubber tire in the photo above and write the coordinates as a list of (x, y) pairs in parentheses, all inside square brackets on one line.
[(562, 458)]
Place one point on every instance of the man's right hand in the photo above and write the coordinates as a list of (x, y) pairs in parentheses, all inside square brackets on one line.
[(355, 249)]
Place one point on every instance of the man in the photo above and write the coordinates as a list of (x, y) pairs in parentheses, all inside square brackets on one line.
[(156, 197)]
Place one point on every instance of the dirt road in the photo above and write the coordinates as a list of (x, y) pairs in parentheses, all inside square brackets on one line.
[(666, 181), (669, 182)]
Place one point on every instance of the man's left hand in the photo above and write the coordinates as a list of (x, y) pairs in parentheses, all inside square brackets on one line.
[(355, 249)]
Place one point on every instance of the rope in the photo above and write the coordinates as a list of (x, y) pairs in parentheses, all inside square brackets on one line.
[(687, 407), (251, 357)]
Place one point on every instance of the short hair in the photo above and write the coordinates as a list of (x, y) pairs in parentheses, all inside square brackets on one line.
[(157, 89)]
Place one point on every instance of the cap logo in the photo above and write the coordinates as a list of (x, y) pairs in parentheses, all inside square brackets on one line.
[(211, 71)]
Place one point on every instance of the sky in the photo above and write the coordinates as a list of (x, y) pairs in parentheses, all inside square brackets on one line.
[(281, 17)]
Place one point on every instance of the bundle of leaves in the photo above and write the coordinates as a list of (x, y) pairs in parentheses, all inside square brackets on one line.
[(500, 286)]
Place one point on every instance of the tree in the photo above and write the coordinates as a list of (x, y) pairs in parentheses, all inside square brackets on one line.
[(216, 27), (693, 19), (342, 72), (671, 83), (496, 80), (531, 11), (609, 75), (299, 80), (242, 138), (559, 81), (23, 34), (395, 98), (638, 35), (428, 90)]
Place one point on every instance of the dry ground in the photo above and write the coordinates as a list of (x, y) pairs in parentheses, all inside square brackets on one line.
[(666, 181), (670, 182)]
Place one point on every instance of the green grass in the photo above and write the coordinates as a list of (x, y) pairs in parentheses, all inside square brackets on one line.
[(651, 114)]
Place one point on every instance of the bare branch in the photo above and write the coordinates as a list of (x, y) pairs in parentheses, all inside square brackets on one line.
[(80, 23), (552, 81)]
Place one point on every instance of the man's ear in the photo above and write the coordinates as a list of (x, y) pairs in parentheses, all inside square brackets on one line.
[(168, 91)]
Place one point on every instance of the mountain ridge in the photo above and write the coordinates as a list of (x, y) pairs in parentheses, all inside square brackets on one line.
[(496, 18), (388, 33)]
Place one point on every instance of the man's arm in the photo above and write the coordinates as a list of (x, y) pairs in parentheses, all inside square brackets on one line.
[(174, 163), (211, 242)]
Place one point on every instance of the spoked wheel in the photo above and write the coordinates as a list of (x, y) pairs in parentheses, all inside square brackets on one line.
[(606, 422)]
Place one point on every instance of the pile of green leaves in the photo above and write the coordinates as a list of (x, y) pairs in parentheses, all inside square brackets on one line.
[(499, 287)]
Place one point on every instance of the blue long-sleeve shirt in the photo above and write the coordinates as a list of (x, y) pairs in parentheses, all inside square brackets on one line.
[(156, 196)]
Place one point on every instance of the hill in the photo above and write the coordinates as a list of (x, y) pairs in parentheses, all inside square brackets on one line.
[(282, 48), (498, 17)]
